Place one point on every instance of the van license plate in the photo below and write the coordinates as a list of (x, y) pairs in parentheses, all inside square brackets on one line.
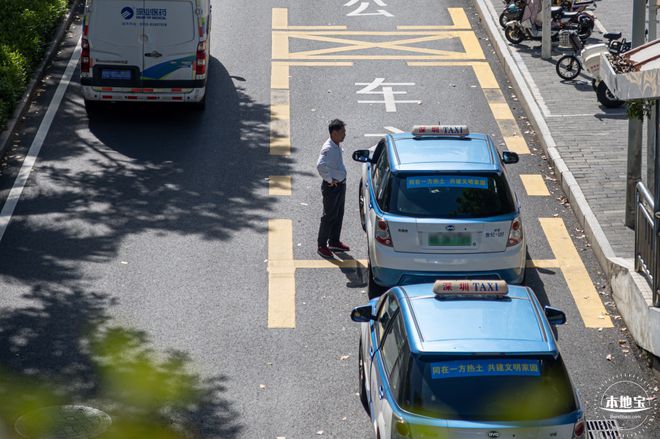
[(450, 239), (116, 74)]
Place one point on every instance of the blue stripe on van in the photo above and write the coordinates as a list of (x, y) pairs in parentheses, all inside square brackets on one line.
[(163, 69)]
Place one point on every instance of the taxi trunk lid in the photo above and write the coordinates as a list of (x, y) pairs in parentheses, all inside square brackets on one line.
[(451, 213), (424, 235)]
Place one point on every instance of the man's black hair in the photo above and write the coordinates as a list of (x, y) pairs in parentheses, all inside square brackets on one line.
[(335, 125)]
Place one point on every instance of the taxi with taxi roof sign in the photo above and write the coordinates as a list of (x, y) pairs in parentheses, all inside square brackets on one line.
[(436, 202), (465, 358)]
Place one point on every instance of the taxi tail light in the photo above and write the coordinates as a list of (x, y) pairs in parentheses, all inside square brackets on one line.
[(84, 56), (200, 62), (383, 232), (580, 429), (516, 233)]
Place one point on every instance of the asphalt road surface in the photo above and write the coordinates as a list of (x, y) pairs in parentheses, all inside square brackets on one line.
[(193, 234)]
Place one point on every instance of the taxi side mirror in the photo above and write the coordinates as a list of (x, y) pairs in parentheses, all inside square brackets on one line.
[(362, 155), (362, 314), (510, 157), (555, 316)]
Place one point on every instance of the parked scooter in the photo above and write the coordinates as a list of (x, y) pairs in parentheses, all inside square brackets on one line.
[(516, 31), (588, 58), (513, 11)]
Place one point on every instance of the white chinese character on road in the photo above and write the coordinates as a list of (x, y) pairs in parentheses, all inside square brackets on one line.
[(640, 402), (388, 93), (364, 6), (625, 402)]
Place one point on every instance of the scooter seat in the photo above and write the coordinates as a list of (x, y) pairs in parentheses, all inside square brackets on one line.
[(612, 35)]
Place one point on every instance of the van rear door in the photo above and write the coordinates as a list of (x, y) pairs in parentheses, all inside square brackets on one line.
[(170, 40), (116, 41)]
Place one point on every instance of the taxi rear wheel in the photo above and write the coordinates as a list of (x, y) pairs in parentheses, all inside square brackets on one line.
[(373, 289), (363, 387)]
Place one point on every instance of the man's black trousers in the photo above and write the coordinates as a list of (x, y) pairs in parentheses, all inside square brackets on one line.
[(333, 212)]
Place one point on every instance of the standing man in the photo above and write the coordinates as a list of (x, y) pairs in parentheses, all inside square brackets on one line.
[(331, 169)]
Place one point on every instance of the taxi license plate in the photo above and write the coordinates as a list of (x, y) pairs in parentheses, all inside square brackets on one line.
[(450, 239)]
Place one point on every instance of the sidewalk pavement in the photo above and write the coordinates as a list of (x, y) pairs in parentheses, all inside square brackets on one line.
[(587, 145)]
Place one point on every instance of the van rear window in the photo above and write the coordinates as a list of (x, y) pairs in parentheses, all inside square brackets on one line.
[(451, 196)]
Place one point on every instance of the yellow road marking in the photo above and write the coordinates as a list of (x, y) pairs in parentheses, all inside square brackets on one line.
[(280, 18), (542, 263), (279, 76), (279, 185), (326, 263), (281, 275), (280, 49), (500, 108), (280, 123), (458, 17), (534, 185), (592, 311)]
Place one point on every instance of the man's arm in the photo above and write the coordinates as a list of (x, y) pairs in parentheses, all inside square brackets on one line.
[(325, 164)]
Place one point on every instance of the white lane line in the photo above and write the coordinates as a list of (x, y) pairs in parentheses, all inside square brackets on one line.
[(31, 157), (374, 135), (393, 130)]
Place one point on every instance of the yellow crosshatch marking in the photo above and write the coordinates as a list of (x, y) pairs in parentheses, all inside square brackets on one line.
[(405, 42), (402, 41)]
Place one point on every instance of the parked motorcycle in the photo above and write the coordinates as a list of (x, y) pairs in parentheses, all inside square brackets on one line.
[(561, 17), (588, 58), (513, 10)]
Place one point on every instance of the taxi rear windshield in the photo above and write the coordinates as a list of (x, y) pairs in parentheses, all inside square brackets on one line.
[(451, 196), (487, 389)]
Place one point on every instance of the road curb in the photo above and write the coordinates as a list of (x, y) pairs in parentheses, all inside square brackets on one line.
[(37, 74), (630, 291)]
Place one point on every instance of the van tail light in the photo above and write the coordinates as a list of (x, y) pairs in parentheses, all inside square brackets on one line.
[(383, 232), (200, 61), (580, 429), (84, 56), (516, 233)]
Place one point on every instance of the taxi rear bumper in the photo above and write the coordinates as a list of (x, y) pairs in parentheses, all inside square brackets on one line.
[(392, 268)]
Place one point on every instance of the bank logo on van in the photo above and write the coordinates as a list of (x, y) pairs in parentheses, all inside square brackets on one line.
[(127, 13), (144, 13)]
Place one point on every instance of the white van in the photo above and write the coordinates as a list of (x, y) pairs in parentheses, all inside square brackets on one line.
[(144, 50)]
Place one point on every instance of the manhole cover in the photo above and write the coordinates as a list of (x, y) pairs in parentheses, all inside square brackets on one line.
[(63, 422), (603, 429)]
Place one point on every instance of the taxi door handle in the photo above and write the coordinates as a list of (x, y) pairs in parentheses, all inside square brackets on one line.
[(154, 54), (381, 392)]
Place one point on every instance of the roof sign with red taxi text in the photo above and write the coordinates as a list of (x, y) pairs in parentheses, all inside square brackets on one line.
[(467, 287), (440, 130)]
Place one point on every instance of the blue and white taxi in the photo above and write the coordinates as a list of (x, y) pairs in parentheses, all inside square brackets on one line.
[(436, 202), (465, 359)]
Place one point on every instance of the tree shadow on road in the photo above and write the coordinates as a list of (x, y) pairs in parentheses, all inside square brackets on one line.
[(161, 170), (61, 350)]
